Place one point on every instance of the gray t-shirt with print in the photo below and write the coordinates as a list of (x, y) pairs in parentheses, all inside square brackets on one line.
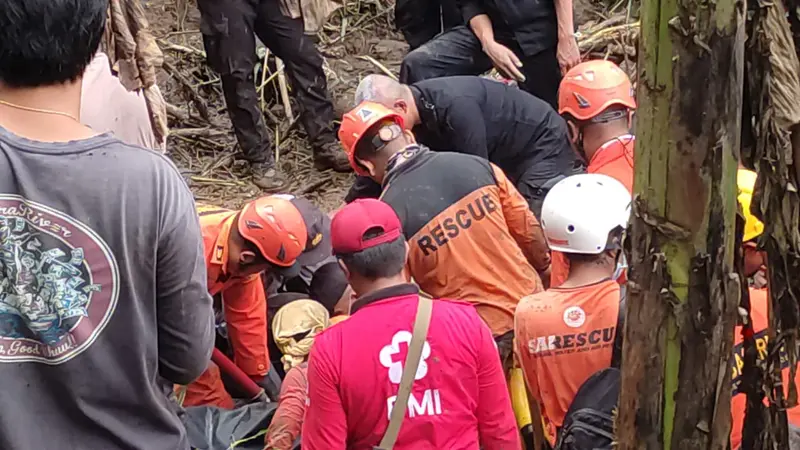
[(103, 299)]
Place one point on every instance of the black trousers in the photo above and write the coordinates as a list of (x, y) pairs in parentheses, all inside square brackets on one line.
[(505, 348), (228, 28), (536, 182), (421, 20), (458, 52)]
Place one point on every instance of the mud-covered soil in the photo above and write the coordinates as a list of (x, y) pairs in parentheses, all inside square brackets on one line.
[(358, 40), (204, 149)]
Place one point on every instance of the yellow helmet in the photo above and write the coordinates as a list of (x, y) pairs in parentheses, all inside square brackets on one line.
[(746, 180)]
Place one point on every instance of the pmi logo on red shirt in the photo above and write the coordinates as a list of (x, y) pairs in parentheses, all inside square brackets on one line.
[(393, 356)]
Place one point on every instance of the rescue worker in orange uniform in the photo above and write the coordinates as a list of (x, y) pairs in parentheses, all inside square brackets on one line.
[(755, 271), (596, 100), (268, 234), (566, 334), (471, 235)]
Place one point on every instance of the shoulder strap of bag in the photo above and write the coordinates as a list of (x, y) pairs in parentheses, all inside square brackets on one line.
[(616, 353), (420, 333)]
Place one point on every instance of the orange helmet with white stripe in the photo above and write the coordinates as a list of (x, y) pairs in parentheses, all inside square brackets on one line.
[(275, 227), (591, 87)]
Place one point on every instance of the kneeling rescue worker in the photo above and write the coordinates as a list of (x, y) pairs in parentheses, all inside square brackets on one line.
[(566, 334), (596, 100), (268, 234), (516, 131), (470, 233)]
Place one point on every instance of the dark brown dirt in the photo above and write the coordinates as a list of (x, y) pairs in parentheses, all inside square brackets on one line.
[(204, 150)]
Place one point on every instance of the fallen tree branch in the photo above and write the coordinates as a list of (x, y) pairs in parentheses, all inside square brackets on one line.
[(606, 36), (197, 132), (199, 102), (284, 90), (182, 49), (380, 66)]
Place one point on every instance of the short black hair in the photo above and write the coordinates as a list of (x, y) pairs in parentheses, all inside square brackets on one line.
[(381, 261), (583, 257), (47, 42), (365, 149)]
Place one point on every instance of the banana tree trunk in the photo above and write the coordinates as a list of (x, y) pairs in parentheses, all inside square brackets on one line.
[(684, 291)]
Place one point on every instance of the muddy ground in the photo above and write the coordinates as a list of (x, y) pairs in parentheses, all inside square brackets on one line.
[(204, 149), (358, 40)]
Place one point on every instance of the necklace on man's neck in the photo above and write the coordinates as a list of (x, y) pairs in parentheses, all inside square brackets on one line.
[(38, 110)]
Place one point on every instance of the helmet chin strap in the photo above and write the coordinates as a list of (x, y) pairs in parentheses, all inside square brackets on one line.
[(621, 265), (602, 118), (577, 132)]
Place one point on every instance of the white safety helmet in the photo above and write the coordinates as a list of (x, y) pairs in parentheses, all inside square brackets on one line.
[(580, 211)]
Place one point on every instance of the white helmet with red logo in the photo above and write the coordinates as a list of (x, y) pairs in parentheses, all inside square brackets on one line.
[(580, 211)]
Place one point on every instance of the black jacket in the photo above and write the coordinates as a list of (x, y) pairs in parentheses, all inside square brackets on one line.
[(511, 128), (507, 126), (531, 23)]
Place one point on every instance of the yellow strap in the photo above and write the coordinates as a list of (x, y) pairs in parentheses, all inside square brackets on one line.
[(180, 395)]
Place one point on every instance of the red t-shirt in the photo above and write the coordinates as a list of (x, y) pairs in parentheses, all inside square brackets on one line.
[(459, 399), (563, 337), (758, 313), (288, 419)]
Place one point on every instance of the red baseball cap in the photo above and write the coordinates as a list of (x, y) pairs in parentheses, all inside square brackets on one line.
[(352, 222)]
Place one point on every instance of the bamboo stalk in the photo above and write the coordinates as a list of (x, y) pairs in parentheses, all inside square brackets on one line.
[(284, 89), (380, 66), (264, 68)]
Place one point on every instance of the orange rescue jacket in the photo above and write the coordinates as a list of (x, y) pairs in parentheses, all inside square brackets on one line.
[(615, 159)]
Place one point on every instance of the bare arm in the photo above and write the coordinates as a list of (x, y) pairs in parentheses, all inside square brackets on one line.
[(566, 25), (288, 420), (482, 27), (502, 57), (567, 52)]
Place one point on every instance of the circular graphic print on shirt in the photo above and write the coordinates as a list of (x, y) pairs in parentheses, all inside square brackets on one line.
[(59, 283), (574, 317)]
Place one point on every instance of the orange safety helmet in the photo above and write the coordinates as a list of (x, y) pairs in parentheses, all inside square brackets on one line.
[(276, 227), (357, 121), (591, 87)]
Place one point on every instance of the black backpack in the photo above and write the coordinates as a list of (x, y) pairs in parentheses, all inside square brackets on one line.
[(589, 422)]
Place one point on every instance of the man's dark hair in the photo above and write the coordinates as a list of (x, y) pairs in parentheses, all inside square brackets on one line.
[(583, 257), (382, 261), (47, 42), (328, 284), (365, 149)]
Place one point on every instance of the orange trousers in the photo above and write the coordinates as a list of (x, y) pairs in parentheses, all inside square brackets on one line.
[(208, 390)]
